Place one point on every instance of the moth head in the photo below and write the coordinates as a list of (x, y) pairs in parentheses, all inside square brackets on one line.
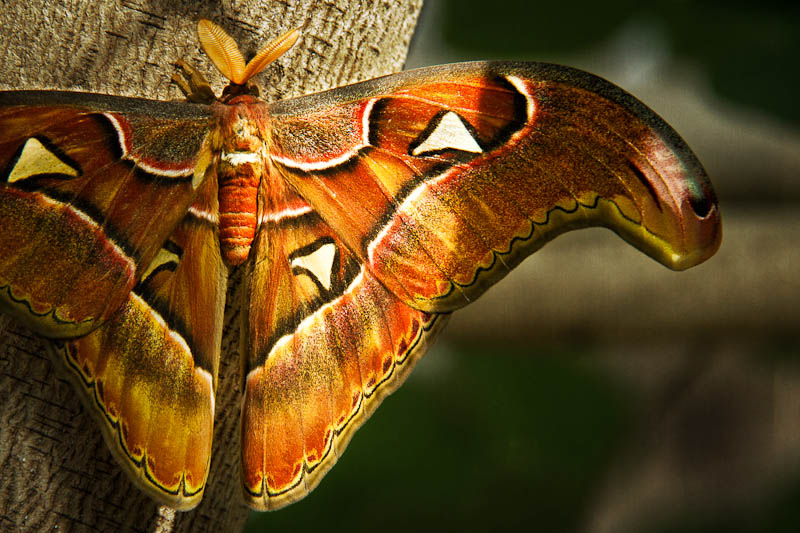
[(226, 56)]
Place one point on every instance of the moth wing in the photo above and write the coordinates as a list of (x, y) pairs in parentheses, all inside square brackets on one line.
[(441, 180), (91, 186), (324, 343), (148, 374), (407, 197)]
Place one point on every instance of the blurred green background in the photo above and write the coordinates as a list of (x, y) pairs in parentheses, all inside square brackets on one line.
[(594, 390)]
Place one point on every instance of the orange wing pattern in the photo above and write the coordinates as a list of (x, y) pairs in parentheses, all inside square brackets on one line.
[(408, 196), (70, 165), (441, 180), (370, 212), (149, 373), (326, 342)]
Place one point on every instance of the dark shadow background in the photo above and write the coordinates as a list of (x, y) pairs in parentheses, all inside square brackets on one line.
[(593, 390)]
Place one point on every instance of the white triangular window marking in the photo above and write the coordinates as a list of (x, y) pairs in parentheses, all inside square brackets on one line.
[(36, 159), (319, 263), (449, 134), (163, 257)]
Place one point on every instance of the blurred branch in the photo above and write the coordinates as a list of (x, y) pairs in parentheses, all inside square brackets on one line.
[(590, 285)]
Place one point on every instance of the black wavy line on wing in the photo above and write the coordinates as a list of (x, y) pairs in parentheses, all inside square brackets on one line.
[(400, 361), (51, 312), (96, 391)]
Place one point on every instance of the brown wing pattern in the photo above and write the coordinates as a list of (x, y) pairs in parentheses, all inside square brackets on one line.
[(444, 179), (425, 188), (393, 202), (75, 172), (325, 343), (149, 373)]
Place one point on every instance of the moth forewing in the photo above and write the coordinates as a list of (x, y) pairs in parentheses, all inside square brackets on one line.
[(361, 217)]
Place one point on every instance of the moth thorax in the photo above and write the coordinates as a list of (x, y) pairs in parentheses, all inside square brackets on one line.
[(242, 162)]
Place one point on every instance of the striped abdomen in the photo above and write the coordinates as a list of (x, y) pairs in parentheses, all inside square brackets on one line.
[(238, 175), (243, 161)]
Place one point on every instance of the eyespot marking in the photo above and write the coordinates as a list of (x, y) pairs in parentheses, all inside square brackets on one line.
[(318, 264), (449, 133), (37, 158), (167, 258)]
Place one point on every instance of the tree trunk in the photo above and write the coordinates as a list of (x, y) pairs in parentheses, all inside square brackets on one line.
[(56, 471)]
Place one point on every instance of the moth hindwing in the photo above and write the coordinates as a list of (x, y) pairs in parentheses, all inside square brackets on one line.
[(361, 217)]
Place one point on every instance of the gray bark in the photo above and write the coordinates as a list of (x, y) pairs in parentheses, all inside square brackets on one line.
[(56, 471)]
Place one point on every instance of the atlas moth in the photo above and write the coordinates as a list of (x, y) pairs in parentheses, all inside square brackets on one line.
[(361, 216)]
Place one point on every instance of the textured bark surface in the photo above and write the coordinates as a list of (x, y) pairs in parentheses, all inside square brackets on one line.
[(56, 471)]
